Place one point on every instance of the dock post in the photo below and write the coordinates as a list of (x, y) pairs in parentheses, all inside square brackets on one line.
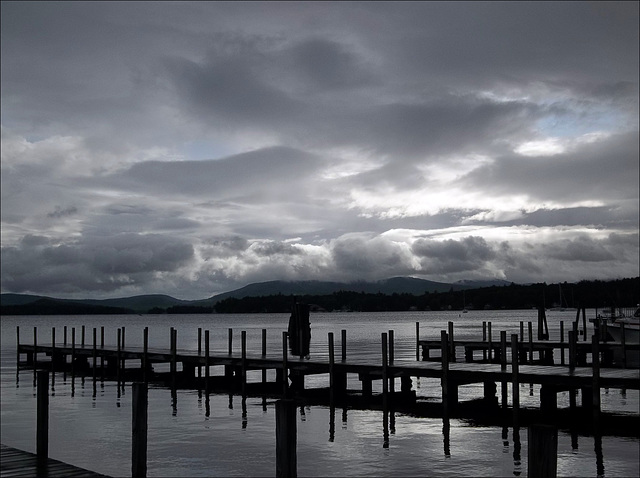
[(94, 362), (285, 367), (64, 335), (243, 345), (332, 383), (230, 341), (264, 354), (503, 365), (484, 339), (490, 341), (521, 331), (444, 347), (17, 347), (623, 345), (73, 350), (42, 430), (452, 345), (286, 438), (102, 348), (417, 341), (515, 381), (561, 342), (82, 338), (385, 375), (392, 379), (341, 378), (199, 350), (53, 350), (584, 324), (595, 354), (530, 330), (118, 361), (139, 431), (206, 361), (35, 351), (543, 451), (174, 358), (145, 354)]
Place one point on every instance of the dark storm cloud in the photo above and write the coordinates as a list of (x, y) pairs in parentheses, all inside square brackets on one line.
[(93, 263), (191, 147), (453, 256), (606, 170), (252, 173)]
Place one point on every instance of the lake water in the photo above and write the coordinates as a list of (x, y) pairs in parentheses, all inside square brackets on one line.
[(94, 431)]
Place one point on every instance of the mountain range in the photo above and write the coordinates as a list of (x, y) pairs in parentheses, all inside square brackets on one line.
[(23, 303)]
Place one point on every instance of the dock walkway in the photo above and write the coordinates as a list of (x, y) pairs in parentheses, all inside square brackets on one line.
[(19, 463)]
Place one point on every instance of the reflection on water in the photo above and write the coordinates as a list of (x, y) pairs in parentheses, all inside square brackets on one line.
[(211, 438)]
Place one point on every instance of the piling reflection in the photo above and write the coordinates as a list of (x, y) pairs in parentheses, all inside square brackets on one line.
[(446, 435), (244, 412), (332, 423), (597, 446), (517, 448), (385, 428)]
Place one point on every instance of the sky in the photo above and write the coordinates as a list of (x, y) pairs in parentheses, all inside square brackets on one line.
[(190, 149)]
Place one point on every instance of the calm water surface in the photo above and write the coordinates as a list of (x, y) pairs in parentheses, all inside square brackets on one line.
[(238, 439)]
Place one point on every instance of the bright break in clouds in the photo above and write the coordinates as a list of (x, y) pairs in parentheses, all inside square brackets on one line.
[(191, 148)]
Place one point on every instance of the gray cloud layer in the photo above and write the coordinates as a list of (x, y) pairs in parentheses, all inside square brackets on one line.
[(189, 148)]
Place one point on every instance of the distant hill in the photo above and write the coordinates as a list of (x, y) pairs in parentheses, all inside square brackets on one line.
[(11, 303), (395, 285)]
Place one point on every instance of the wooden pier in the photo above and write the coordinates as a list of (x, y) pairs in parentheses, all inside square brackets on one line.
[(19, 463), (192, 369)]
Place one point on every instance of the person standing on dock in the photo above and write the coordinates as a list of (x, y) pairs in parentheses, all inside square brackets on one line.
[(299, 330)]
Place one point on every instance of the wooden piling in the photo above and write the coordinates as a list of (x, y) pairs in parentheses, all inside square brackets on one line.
[(118, 361), (174, 356), (521, 331), (286, 439), (139, 430), (343, 344), (385, 381), (82, 337), (285, 371), (543, 451), (243, 349), (561, 341), (452, 345), (73, 349), (53, 351), (206, 361), (595, 359), (35, 349), (503, 365), (444, 347), (490, 338), (530, 330), (94, 362), (484, 339), (515, 380), (417, 341), (623, 345), (230, 341), (145, 355), (392, 380), (64, 336), (264, 354), (42, 425), (331, 367), (17, 347)]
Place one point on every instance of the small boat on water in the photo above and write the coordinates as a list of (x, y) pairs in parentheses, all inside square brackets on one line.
[(629, 325), (622, 326)]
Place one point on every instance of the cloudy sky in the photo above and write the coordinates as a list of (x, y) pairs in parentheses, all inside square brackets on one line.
[(192, 148)]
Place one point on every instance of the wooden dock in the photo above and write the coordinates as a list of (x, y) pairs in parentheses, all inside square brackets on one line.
[(19, 463), (192, 369)]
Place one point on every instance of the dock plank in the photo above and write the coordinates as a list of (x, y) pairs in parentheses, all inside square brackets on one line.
[(19, 463)]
